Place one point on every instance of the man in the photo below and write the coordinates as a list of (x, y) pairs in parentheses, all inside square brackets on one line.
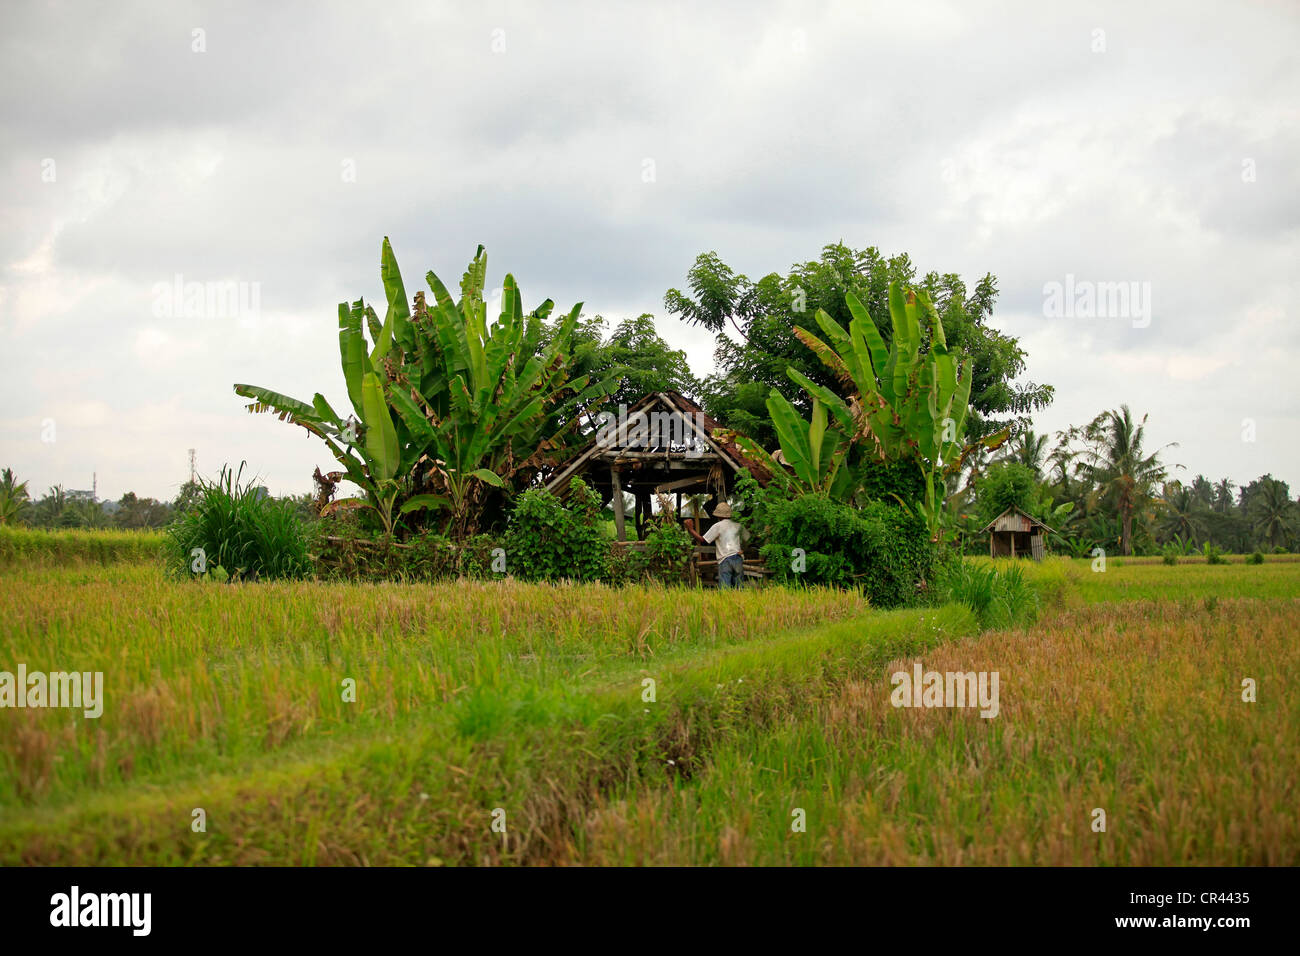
[(727, 534)]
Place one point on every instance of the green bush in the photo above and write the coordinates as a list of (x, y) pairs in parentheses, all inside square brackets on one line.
[(881, 481), (1213, 554), (623, 567), (1169, 553), (352, 555), (1256, 557), (243, 535), (1000, 598), (1006, 484), (549, 539), (815, 540), (667, 552)]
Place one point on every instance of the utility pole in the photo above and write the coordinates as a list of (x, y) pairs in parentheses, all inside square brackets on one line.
[(192, 473)]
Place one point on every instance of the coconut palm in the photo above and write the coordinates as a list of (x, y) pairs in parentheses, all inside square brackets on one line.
[(1272, 512), (1203, 493), (1028, 449), (14, 498), (1123, 475), (1180, 516), (1223, 500)]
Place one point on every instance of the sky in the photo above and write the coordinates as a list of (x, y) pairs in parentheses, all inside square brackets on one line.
[(254, 156)]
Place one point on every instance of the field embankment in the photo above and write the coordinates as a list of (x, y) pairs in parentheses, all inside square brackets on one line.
[(32, 547)]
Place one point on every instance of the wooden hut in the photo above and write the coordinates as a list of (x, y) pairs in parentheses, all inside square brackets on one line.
[(1014, 534), (662, 445)]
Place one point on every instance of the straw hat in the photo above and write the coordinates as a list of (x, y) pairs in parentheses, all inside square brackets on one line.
[(722, 510)]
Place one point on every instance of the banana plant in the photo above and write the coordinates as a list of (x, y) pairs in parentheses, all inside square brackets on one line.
[(814, 450), (444, 405), (903, 401)]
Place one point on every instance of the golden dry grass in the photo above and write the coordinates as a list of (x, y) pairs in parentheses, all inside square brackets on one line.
[(1135, 709)]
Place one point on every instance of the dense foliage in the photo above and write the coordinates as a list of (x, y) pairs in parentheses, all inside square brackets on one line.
[(550, 539), (814, 539), (755, 325), (450, 414)]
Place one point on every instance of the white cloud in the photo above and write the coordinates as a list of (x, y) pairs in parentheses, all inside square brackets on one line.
[(976, 140)]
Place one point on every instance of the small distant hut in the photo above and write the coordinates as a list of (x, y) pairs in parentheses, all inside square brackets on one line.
[(1014, 534)]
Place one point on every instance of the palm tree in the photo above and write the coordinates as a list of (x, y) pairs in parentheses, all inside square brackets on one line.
[(47, 512), (1181, 518), (1223, 496), (13, 497), (1029, 450), (1203, 492), (1122, 474), (1272, 511)]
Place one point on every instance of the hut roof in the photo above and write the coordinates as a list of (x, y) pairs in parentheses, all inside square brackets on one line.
[(698, 428), (1013, 519)]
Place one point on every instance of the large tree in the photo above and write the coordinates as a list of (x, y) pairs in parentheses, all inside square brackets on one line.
[(1267, 504), (633, 355), (754, 322)]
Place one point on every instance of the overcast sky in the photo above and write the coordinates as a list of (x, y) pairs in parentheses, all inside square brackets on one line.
[(595, 150)]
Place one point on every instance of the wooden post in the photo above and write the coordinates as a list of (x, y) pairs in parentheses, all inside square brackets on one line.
[(619, 530)]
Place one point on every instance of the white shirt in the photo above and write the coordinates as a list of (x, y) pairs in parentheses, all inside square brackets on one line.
[(727, 534)]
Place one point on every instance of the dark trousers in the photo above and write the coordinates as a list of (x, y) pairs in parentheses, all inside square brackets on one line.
[(731, 571)]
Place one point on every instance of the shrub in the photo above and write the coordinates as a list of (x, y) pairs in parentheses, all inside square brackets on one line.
[(667, 552), (1256, 557), (355, 556), (623, 566), (879, 548), (1000, 598), (1004, 485), (549, 539), (880, 481), (1169, 554), (243, 534), (1213, 554)]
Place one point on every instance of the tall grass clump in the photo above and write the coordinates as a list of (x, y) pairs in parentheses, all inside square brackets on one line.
[(243, 534), (999, 598)]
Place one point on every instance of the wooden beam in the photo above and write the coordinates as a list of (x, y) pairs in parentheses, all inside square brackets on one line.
[(681, 483), (690, 420), (675, 457), (620, 531)]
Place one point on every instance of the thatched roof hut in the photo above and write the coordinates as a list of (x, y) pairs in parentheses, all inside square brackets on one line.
[(662, 444)]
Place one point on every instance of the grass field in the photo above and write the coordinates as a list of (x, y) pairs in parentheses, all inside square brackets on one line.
[(530, 706)]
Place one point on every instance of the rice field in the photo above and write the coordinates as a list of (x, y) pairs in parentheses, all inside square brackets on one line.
[(487, 723)]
